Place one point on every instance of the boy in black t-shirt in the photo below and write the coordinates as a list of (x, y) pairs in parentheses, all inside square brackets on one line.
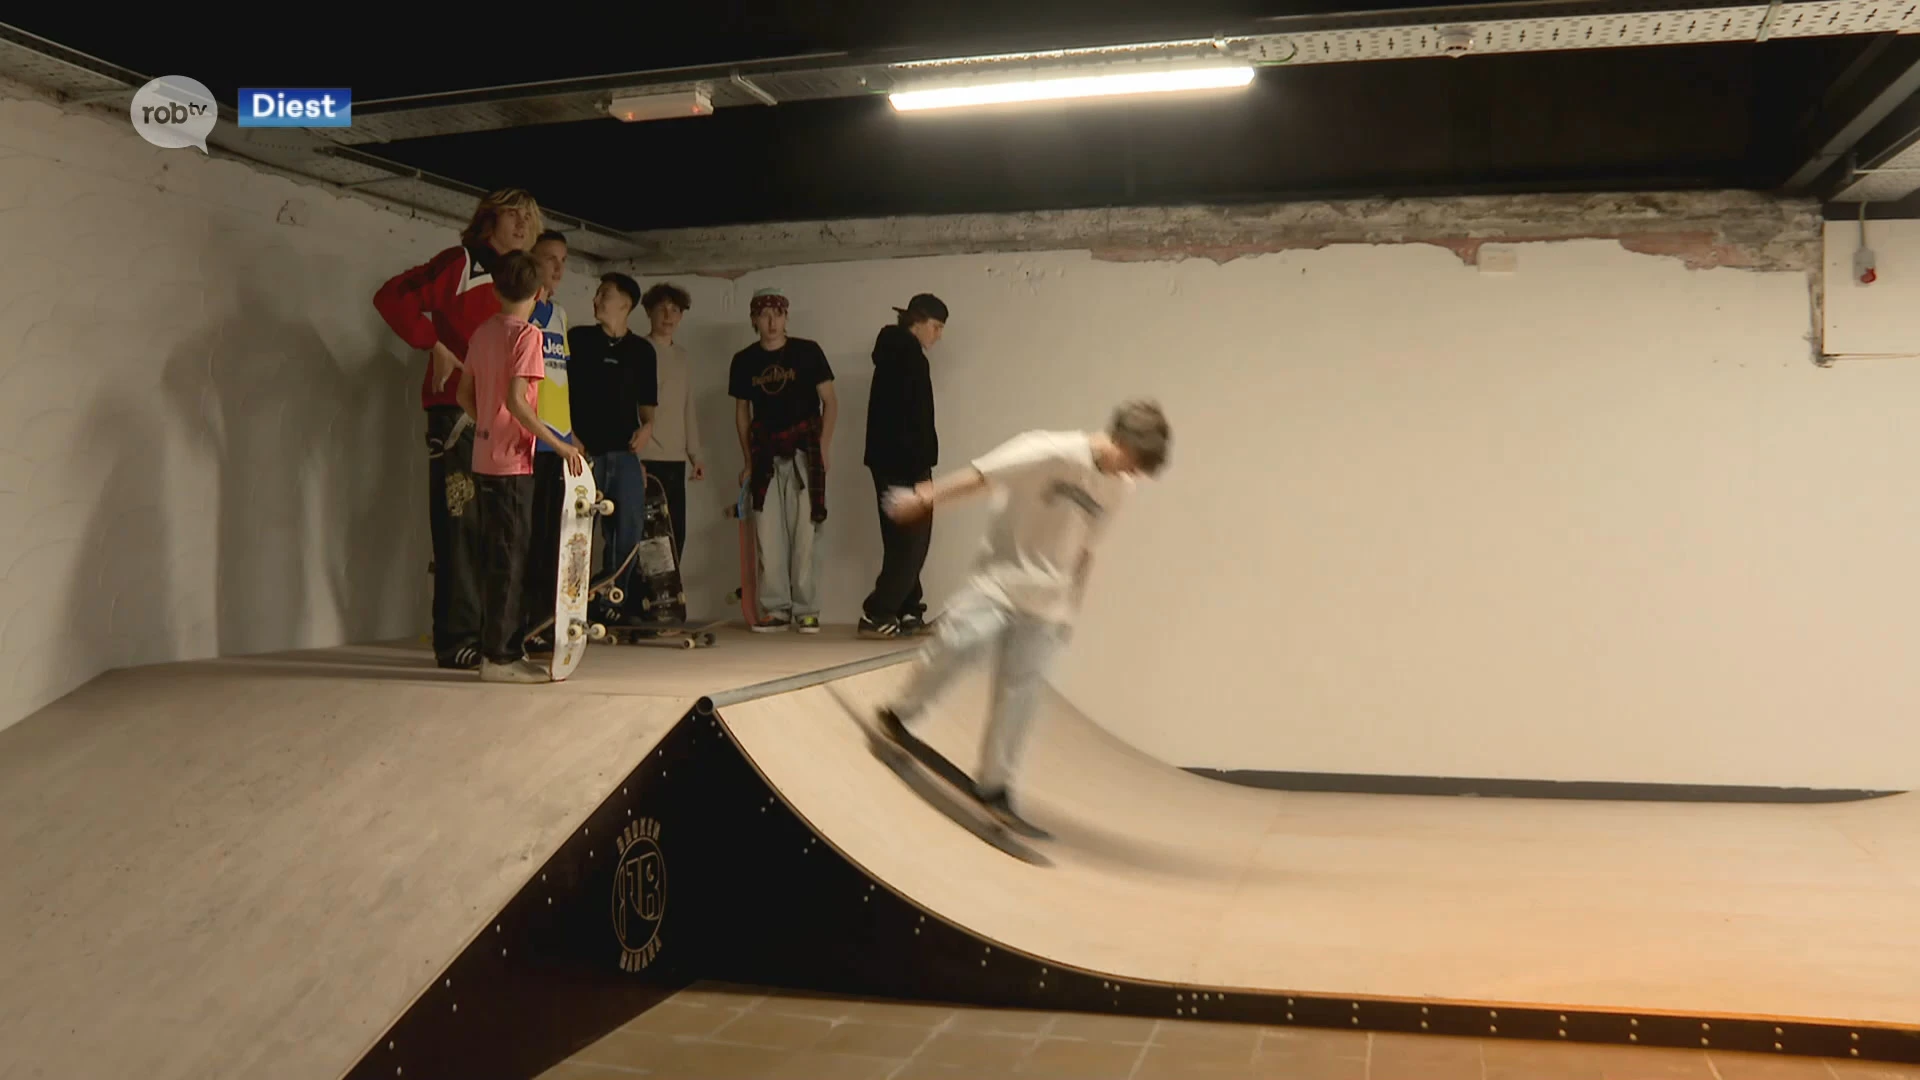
[(784, 411), (613, 381)]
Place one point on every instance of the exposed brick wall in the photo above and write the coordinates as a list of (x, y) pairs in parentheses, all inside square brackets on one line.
[(1703, 230)]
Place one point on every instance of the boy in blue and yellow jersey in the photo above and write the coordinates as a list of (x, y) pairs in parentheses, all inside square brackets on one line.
[(554, 408)]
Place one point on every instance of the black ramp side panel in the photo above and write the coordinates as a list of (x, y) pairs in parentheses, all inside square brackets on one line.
[(693, 868)]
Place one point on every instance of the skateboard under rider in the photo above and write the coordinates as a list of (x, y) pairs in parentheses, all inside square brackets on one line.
[(919, 765)]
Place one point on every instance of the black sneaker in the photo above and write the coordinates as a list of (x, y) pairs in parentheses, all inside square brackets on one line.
[(464, 658), (772, 624), (891, 727), (882, 629), (997, 804)]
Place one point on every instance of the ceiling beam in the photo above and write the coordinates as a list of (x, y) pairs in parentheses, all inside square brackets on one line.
[(1886, 78), (1281, 41)]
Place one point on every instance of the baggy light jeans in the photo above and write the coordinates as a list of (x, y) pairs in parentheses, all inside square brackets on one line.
[(786, 534), (1023, 650)]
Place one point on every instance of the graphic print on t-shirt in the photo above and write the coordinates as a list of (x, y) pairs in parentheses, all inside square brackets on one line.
[(1079, 496), (774, 379), (781, 384)]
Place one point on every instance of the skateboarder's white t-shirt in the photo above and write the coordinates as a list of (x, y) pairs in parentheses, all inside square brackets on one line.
[(1051, 505)]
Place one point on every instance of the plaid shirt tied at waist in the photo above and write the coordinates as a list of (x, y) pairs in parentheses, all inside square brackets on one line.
[(768, 446)]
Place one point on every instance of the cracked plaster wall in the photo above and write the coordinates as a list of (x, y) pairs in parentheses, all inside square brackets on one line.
[(211, 442)]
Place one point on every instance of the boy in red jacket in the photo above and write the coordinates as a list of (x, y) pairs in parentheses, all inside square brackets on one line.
[(498, 393), (436, 307)]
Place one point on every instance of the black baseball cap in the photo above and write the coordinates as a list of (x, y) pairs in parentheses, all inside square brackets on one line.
[(925, 304)]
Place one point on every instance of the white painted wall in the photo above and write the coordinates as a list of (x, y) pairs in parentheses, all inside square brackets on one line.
[(209, 442), (1880, 319), (1600, 519)]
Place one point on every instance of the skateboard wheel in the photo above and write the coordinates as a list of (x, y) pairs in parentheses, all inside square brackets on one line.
[(576, 631), (616, 596), (596, 632), (603, 507)]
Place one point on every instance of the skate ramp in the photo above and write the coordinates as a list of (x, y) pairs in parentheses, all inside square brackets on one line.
[(250, 867), (1167, 878), (347, 863)]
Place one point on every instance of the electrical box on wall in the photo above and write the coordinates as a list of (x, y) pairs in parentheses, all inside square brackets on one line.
[(1864, 272)]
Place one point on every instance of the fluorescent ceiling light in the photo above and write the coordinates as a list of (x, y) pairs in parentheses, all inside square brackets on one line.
[(1150, 82)]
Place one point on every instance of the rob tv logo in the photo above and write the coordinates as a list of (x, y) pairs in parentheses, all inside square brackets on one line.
[(302, 108)]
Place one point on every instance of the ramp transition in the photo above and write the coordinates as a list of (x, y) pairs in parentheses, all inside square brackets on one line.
[(759, 844)]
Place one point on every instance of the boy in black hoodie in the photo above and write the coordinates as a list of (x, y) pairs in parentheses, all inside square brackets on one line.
[(902, 448)]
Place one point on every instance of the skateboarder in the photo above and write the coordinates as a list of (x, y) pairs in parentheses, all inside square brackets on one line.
[(784, 412), (504, 362), (554, 410), (435, 307), (1055, 495), (902, 448), (613, 374), (674, 456)]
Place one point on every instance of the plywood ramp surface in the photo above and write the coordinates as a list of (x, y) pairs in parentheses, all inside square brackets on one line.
[(1769, 910), (250, 867)]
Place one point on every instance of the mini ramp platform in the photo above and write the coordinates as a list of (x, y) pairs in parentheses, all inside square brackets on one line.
[(591, 855)]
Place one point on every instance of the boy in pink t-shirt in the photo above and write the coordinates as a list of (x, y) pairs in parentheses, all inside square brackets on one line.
[(504, 358)]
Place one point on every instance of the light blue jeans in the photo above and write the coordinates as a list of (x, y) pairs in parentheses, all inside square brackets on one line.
[(788, 541), (1023, 649)]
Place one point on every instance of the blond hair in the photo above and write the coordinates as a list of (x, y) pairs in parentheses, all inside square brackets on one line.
[(490, 207)]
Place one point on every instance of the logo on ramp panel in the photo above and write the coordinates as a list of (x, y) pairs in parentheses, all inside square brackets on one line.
[(639, 894)]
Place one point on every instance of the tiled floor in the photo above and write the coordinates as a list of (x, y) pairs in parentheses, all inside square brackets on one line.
[(741, 1033)]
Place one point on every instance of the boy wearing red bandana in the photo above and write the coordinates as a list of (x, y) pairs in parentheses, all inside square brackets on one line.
[(784, 412)]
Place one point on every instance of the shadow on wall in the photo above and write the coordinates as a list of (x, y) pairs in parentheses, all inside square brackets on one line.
[(314, 478), (126, 605)]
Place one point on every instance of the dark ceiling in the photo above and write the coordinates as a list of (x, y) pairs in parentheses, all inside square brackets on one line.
[(1659, 118)]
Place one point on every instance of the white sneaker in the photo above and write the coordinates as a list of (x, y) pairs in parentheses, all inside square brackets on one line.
[(520, 671)]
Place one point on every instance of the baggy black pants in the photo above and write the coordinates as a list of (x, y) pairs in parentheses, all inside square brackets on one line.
[(454, 524), (896, 592), (543, 550), (506, 526)]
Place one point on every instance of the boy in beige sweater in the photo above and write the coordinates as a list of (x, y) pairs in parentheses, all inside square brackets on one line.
[(675, 452)]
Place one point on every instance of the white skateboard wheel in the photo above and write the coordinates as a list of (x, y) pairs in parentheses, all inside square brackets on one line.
[(596, 632), (616, 595)]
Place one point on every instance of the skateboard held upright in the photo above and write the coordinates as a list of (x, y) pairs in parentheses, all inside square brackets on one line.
[(655, 581), (571, 628), (662, 597), (749, 591)]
